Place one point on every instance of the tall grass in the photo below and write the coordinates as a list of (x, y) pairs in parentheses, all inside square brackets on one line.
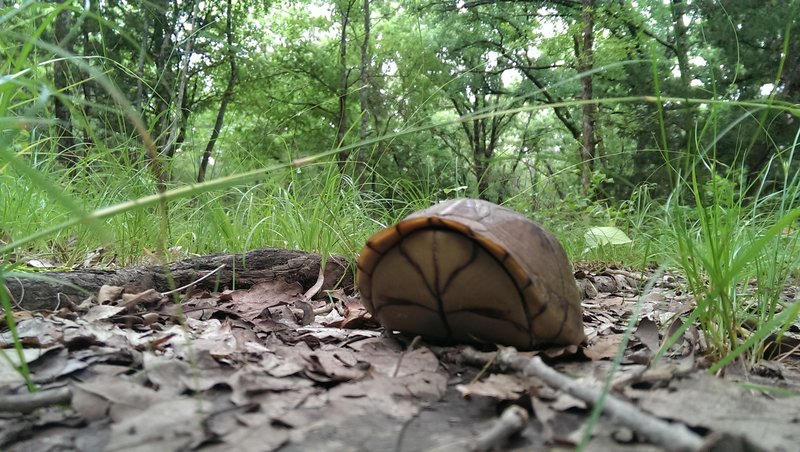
[(737, 252), (312, 208)]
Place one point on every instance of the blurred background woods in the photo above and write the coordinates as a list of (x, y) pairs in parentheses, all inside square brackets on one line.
[(538, 104)]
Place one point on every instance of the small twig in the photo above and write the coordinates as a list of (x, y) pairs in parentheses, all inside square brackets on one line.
[(324, 309), (668, 435), (148, 296), (25, 403), (402, 355), (193, 283), (485, 368), (511, 422), (17, 304), (317, 285)]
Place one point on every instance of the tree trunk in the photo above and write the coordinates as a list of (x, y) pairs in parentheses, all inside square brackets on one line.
[(184, 121), (481, 155), (585, 63), (65, 145), (163, 50), (226, 96), (343, 123), (363, 96), (790, 79), (86, 89), (191, 95), (178, 112), (561, 113), (481, 144), (677, 10), (140, 63), (681, 46), (482, 135)]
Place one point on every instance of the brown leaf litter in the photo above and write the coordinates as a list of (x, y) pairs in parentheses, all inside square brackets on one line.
[(265, 368)]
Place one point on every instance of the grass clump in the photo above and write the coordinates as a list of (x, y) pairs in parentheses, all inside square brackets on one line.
[(737, 247)]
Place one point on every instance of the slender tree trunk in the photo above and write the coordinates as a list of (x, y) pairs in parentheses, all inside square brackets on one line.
[(363, 96), (185, 112), (163, 49), (481, 154), (585, 63), (551, 175), (65, 145), (144, 45), (504, 190), (86, 88), (178, 112), (482, 136), (226, 96), (343, 123), (790, 79), (561, 112), (191, 95), (678, 10), (681, 46)]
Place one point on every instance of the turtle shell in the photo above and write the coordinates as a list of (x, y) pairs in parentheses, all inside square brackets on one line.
[(468, 270)]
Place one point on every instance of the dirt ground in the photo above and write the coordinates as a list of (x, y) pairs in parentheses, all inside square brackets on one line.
[(264, 368)]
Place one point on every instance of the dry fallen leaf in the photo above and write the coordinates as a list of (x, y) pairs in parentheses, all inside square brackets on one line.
[(603, 347), (250, 303), (647, 333), (496, 386)]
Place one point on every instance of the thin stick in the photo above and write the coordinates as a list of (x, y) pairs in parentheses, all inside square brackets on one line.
[(25, 403), (668, 435), (17, 304), (512, 421), (318, 284), (164, 294), (484, 368), (410, 348)]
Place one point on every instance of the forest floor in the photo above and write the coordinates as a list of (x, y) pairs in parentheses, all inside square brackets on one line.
[(260, 369)]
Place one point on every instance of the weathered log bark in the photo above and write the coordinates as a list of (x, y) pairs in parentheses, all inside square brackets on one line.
[(240, 271)]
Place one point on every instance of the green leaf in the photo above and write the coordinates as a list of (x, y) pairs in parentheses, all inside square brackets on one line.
[(605, 235)]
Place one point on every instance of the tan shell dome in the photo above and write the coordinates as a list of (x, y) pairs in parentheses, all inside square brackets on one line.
[(468, 270)]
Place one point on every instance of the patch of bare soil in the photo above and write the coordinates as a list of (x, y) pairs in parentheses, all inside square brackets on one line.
[(269, 368)]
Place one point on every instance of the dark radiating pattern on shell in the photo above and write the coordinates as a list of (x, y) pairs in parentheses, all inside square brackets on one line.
[(531, 258)]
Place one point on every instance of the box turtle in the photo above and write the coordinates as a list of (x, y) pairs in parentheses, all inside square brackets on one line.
[(467, 270)]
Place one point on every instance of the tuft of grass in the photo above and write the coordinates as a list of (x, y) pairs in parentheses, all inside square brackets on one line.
[(737, 252)]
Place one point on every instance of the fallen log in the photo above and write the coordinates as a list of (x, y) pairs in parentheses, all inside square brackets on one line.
[(50, 290)]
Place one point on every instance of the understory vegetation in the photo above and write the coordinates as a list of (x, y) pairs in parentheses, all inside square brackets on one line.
[(158, 128)]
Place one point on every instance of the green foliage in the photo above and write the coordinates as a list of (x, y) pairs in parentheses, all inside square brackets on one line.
[(727, 239)]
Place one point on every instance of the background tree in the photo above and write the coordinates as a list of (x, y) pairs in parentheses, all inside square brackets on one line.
[(62, 81), (515, 99), (226, 95)]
